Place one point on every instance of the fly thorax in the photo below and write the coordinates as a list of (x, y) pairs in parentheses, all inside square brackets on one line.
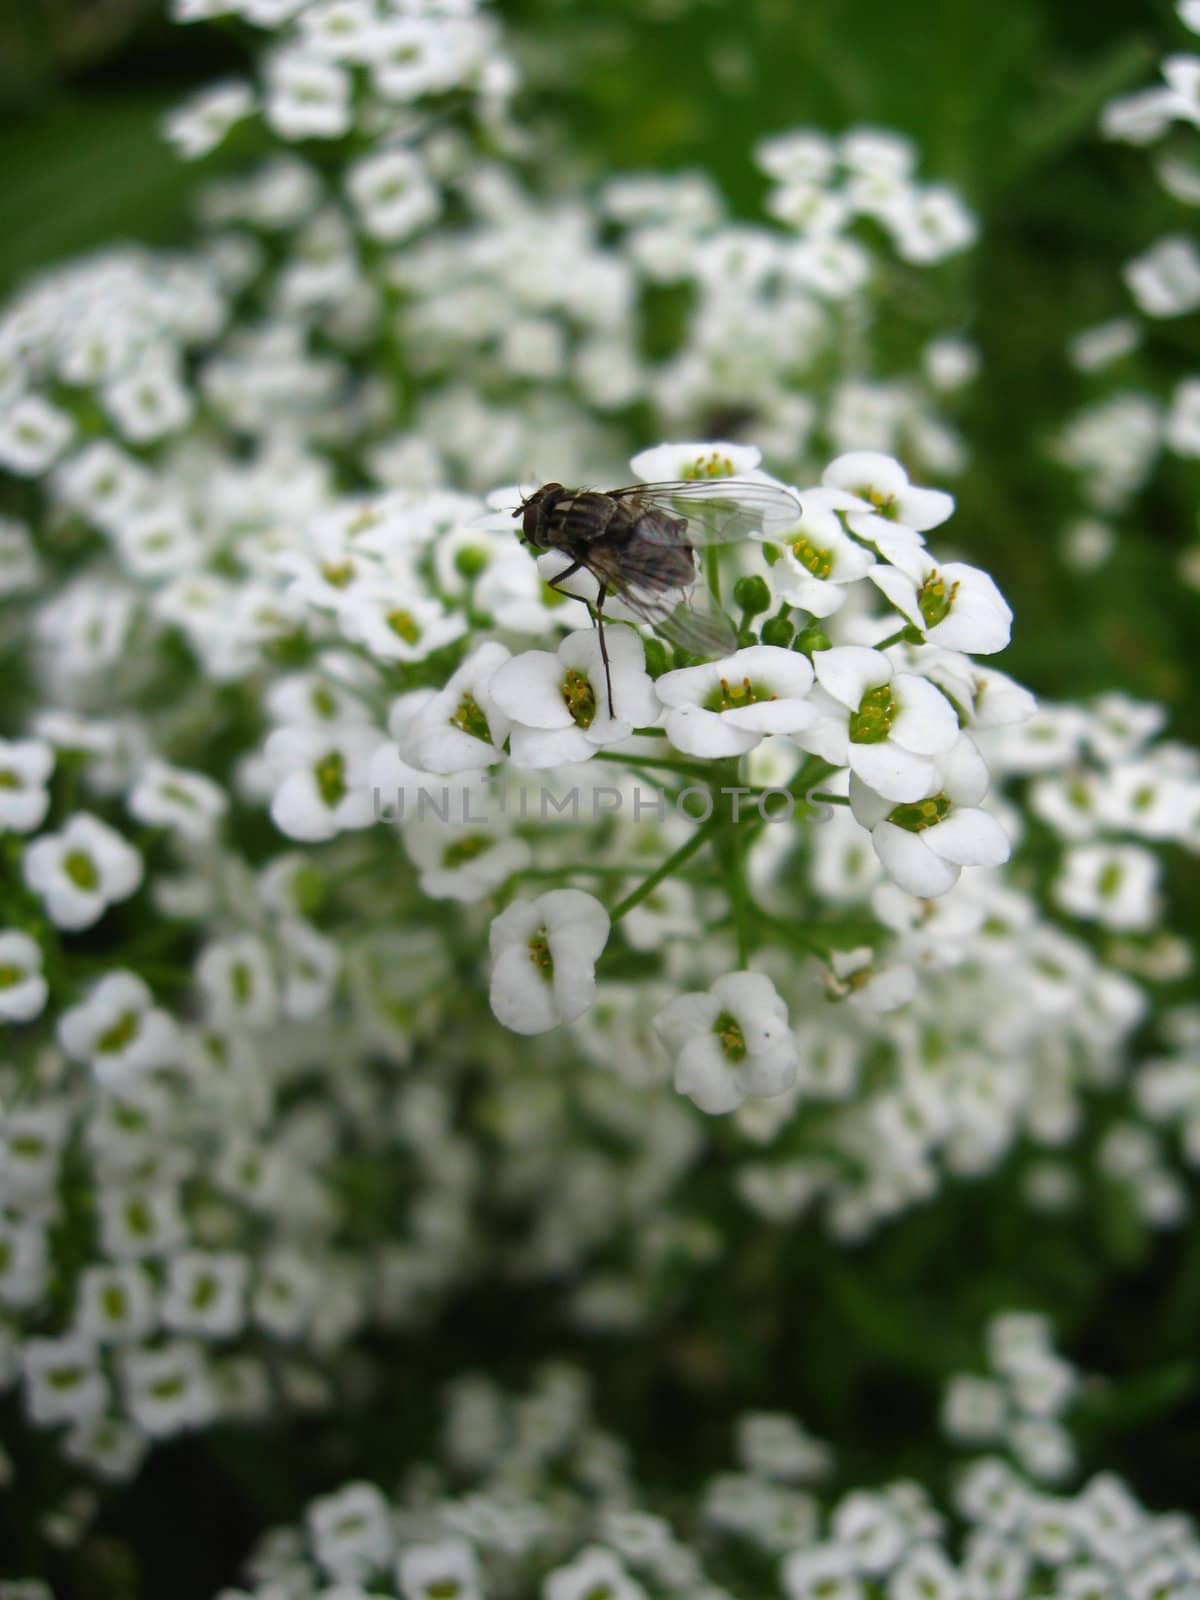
[(877, 711)]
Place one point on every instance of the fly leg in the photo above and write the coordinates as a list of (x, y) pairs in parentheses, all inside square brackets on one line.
[(600, 598), (567, 572)]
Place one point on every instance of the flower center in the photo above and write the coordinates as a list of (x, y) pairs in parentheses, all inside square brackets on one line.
[(921, 814), (709, 466), (403, 626), (443, 1589), (1109, 880), (81, 870), (729, 1031), (811, 557), (729, 696), (872, 722), (884, 504), (9, 779), (580, 698), (539, 954), (337, 573), (330, 773), (123, 1032), (464, 850), (934, 600), (469, 718)]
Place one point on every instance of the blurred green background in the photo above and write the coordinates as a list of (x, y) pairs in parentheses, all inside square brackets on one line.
[(1003, 101)]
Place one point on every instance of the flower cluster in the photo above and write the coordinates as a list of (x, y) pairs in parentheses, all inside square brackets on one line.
[(529, 1496), (377, 928)]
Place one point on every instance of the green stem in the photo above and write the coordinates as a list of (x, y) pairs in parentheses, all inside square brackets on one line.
[(670, 866)]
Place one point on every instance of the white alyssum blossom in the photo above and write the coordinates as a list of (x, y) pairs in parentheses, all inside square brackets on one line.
[(116, 1303), (674, 463), (307, 98), (888, 504), (118, 1031), (886, 726), (24, 1262), (351, 1532), (25, 765), (450, 1568), (237, 980), (392, 193), (462, 727), (730, 1043), (167, 1389), (188, 803), (819, 559), (950, 603), (205, 1293), (33, 434), (23, 988), (464, 861), (63, 1380), (200, 123), (925, 843), (81, 870), (1165, 280), (727, 707), (1113, 884), (594, 1570), (20, 568), (544, 954), (323, 780), (557, 704)]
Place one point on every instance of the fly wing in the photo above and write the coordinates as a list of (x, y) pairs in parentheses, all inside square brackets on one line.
[(681, 610), (717, 510)]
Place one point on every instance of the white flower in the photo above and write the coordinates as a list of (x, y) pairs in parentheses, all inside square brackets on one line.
[(924, 1574), (396, 624), (63, 1380), (463, 861), (200, 124), (116, 1303), (818, 557), (140, 1222), (205, 1293), (168, 1389), (172, 797), (311, 965), (558, 704), (351, 1531), (887, 501), (953, 605), (730, 1043), (23, 989), (886, 726), (1115, 885), (1165, 280), (20, 569), (544, 954), (25, 764), (430, 1571), (924, 844), (929, 224), (33, 434), (594, 1570), (673, 463), (23, 1262), (726, 708), (118, 1031), (307, 98), (81, 871), (323, 780), (238, 984), (462, 727), (821, 1572), (392, 194), (150, 399)]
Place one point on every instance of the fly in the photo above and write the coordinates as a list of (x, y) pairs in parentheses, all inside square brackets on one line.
[(639, 544)]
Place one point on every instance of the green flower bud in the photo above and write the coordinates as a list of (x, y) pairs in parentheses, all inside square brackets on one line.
[(752, 595)]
